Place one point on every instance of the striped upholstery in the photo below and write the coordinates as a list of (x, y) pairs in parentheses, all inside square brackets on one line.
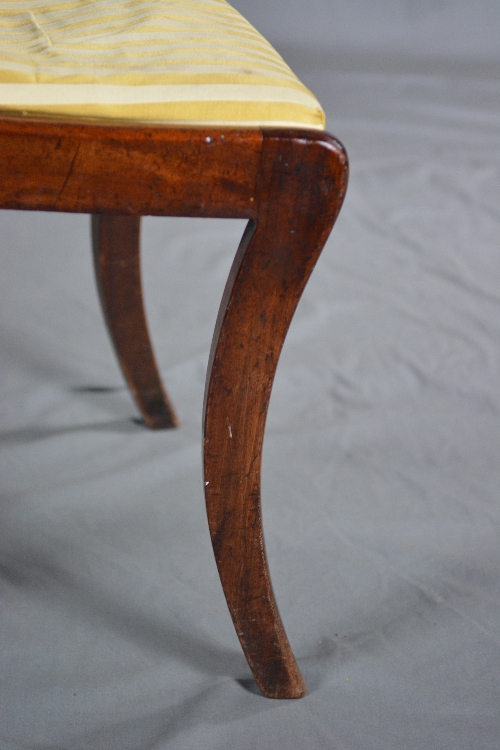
[(175, 61)]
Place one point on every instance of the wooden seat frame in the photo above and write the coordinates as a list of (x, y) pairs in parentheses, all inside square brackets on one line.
[(290, 185)]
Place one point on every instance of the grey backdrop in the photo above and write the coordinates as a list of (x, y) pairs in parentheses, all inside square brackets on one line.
[(381, 466), (417, 27)]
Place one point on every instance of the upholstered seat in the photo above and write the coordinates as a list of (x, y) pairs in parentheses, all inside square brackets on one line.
[(178, 61), (128, 108)]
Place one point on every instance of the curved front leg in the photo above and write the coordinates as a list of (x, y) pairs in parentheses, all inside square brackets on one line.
[(115, 241), (301, 187)]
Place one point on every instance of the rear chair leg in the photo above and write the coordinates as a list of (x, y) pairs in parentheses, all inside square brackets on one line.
[(302, 185), (115, 241)]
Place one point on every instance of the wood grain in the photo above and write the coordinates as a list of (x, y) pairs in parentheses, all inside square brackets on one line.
[(302, 183), (290, 185), (128, 169)]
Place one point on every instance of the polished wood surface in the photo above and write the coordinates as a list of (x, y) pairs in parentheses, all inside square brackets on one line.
[(290, 185), (128, 169), (301, 187), (115, 241)]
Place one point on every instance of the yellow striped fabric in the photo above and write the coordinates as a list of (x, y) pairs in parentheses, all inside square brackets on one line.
[(193, 62)]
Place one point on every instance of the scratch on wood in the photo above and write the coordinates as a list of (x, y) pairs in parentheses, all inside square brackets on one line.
[(70, 172)]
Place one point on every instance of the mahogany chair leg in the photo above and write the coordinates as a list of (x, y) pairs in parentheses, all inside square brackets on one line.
[(115, 241), (302, 184)]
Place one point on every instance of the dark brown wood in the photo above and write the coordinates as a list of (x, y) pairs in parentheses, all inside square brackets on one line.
[(116, 243), (94, 168), (302, 183), (290, 184)]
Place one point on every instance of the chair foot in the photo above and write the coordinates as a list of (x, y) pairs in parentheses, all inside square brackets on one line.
[(302, 185), (115, 241)]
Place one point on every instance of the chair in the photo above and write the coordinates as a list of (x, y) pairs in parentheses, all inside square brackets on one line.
[(180, 108)]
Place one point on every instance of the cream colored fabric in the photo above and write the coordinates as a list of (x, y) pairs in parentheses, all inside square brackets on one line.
[(176, 61)]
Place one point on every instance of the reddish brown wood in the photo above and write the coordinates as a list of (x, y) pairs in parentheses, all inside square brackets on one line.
[(301, 187), (115, 241), (128, 169), (290, 184)]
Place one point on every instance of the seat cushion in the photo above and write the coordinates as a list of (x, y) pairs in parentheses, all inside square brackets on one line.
[(192, 62)]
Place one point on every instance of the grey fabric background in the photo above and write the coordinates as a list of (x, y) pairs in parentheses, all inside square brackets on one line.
[(381, 465), (418, 27)]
